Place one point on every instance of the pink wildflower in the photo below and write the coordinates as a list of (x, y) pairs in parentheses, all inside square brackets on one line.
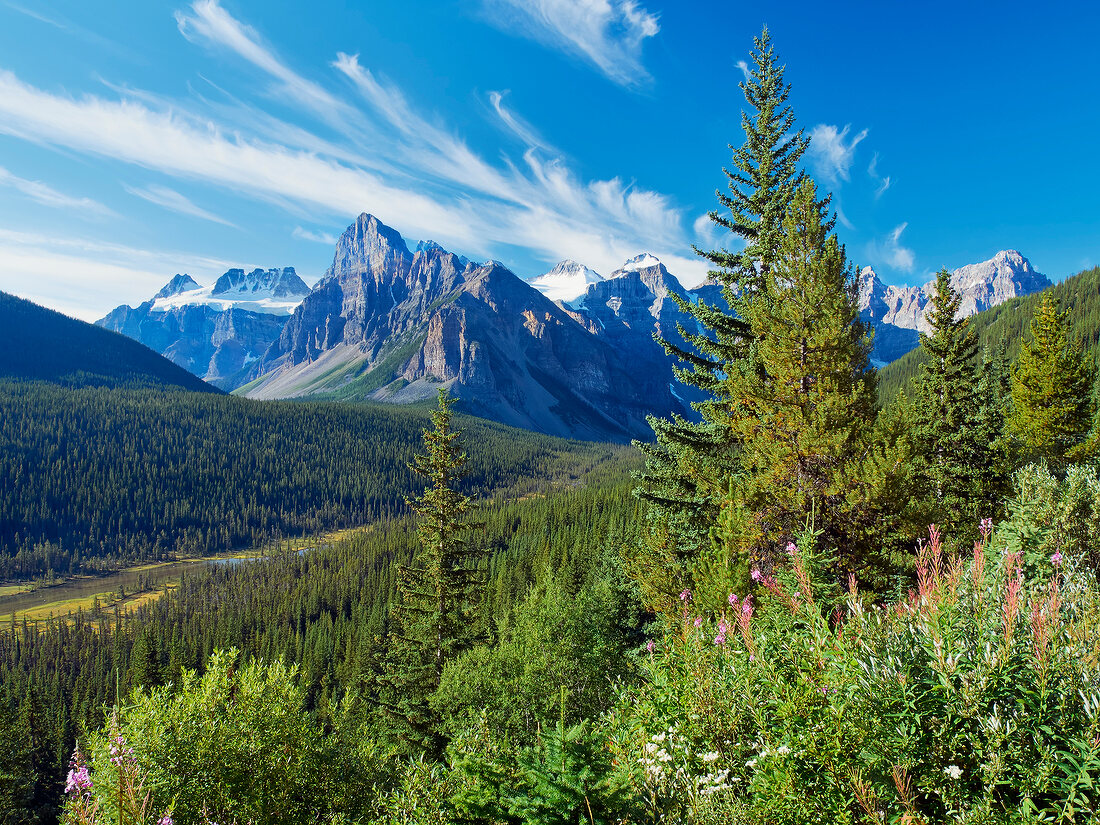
[(1056, 559), (685, 595), (698, 621), (792, 548), (756, 574), (78, 779), (732, 599), (649, 646), (165, 820), (986, 526)]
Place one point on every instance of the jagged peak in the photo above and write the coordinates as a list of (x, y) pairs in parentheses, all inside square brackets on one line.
[(178, 284), (645, 260)]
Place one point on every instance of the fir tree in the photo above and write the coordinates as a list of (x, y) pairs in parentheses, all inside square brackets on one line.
[(803, 407), (1052, 407), (439, 592), (689, 467), (954, 447)]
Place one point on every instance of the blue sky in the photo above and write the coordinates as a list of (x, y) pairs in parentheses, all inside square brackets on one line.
[(141, 139)]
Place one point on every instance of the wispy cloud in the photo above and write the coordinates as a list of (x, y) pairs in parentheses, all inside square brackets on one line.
[(411, 169), (172, 200), (889, 251), (209, 23), (74, 275), (744, 67), (317, 237), (46, 195), (831, 152), (517, 125), (609, 34), (882, 180)]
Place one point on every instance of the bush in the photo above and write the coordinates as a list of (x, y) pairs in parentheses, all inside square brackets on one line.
[(975, 699), (234, 745)]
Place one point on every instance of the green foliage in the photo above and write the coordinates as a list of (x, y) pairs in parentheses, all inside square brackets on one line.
[(973, 699), (1052, 405), (39, 344), (567, 777), (435, 617), (94, 479), (235, 744), (559, 638), (688, 469), (803, 405), (957, 423), (1007, 325)]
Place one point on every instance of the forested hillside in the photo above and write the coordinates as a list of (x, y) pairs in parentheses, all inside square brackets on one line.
[(40, 344), (326, 610), (1007, 324), (92, 479)]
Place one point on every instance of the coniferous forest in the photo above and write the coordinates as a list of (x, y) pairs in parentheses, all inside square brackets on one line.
[(829, 596)]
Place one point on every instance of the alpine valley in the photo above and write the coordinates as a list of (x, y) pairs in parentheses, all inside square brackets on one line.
[(569, 353)]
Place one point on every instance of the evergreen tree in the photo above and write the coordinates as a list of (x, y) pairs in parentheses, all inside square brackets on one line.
[(439, 592), (689, 467), (1052, 407), (803, 407), (957, 449)]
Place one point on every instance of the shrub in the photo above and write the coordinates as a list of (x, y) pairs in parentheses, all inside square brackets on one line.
[(975, 699)]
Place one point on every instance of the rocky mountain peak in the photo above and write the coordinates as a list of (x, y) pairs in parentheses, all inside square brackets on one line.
[(178, 284), (369, 246), (274, 283), (638, 263)]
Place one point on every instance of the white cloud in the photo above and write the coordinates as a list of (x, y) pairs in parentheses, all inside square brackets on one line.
[(607, 33), (172, 200), (744, 67), (831, 153), (317, 237), (46, 195), (890, 252), (883, 181), (211, 23), (395, 161), (517, 125), (86, 279)]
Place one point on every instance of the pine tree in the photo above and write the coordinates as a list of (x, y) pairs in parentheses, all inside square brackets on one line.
[(1052, 409), (803, 407), (949, 403), (689, 467), (439, 592)]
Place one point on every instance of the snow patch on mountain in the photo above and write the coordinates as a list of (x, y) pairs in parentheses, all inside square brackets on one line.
[(638, 262), (271, 292), (566, 282)]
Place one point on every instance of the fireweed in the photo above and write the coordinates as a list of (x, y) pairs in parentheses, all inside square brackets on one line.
[(973, 699)]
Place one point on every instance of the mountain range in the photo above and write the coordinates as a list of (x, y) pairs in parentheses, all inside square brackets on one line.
[(570, 352), (214, 332)]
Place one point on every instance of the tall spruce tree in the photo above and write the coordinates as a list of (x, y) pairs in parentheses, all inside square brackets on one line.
[(1052, 406), (954, 418), (803, 407), (438, 594), (689, 467)]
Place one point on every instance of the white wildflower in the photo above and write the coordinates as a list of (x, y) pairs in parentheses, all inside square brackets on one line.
[(954, 771)]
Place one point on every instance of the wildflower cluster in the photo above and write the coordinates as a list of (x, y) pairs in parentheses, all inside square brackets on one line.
[(989, 667)]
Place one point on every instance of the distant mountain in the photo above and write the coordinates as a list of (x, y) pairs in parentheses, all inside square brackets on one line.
[(392, 324), (566, 282), (40, 344), (897, 314), (1008, 323), (214, 332)]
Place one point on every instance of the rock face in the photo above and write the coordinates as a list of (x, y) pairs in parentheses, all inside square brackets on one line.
[(213, 332), (394, 325), (898, 313)]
